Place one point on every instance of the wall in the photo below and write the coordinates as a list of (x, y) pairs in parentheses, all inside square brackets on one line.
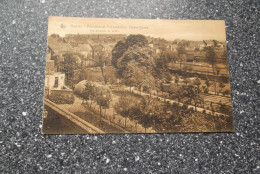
[(50, 80)]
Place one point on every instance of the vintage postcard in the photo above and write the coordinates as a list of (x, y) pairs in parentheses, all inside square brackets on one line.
[(136, 76)]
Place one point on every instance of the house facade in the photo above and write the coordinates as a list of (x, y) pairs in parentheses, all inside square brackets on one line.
[(55, 81)]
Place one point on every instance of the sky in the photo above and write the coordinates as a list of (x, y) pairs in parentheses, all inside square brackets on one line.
[(167, 29)]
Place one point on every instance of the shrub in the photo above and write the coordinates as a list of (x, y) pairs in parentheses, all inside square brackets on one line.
[(61, 99)]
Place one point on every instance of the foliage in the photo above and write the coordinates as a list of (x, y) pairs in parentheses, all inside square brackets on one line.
[(181, 48), (68, 66), (122, 46), (197, 82), (103, 98), (100, 56), (89, 92), (166, 117), (100, 94), (135, 64), (57, 61), (125, 106), (211, 55), (61, 99), (117, 52)]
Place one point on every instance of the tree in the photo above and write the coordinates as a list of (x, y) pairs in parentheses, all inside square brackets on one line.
[(181, 50), (149, 83), (101, 94), (192, 93), (124, 107), (136, 63), (68, 66), (197, 83), (161, 71), (117, 52), (135, 114), (57, 62), (88, 92), (211, 57), (138, 39), (122, 46), (103, 98), (198, 100), (148, 108), (100, 56)]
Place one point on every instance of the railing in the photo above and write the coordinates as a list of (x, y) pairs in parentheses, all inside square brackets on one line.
[(75, 119), (108, 121)]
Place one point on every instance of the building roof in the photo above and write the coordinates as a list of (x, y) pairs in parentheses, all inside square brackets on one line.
[(58, 45)]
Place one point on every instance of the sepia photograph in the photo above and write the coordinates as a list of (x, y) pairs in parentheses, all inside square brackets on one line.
[(107, 75)]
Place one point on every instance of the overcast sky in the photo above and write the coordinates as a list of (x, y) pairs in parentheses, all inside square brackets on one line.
[(167, 29)]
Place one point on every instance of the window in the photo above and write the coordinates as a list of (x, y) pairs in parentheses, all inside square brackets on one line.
[(56, 83)]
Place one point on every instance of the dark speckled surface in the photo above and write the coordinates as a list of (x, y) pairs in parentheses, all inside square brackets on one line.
[(23, 36)]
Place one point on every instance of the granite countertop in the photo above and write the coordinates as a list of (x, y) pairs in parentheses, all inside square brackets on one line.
[(23, 149)]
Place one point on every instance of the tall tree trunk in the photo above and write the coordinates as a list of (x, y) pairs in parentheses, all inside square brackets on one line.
[(102, 72)]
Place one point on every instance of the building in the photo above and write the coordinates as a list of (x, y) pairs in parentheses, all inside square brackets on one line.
[(55, 81)]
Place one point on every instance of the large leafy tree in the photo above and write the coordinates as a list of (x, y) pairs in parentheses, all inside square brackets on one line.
[(161, 71), (122, 46), (133, 61), (117, 52)]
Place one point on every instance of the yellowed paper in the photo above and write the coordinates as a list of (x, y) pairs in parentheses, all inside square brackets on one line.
[(136, 76)]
